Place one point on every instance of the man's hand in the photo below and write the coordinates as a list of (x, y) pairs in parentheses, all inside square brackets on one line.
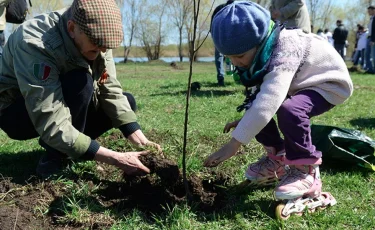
[(231, 125), (131, 165), (128, 162), (227, 151), (139, 139)]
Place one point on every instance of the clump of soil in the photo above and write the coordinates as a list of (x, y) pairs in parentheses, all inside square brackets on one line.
[(166, 169)]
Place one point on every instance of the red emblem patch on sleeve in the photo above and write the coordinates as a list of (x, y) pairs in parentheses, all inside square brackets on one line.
[(103, 78)]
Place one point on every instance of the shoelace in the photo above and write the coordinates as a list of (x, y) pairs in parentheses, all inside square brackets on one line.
[(265, 161), (292, 175)]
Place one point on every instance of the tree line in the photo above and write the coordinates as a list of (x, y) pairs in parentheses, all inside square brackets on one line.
[(153, 24)]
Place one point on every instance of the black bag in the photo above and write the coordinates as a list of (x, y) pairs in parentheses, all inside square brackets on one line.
[(16, 11), (348, 146)]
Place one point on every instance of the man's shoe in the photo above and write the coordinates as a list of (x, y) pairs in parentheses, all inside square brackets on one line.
[(220, 84)]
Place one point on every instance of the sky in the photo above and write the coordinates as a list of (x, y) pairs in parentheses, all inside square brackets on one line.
[(68, 2)]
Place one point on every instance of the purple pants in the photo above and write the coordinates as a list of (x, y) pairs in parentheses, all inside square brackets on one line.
[(294, 122)]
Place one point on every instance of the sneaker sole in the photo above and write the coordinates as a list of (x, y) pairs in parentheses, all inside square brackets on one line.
[(265, 181), (288, 195)]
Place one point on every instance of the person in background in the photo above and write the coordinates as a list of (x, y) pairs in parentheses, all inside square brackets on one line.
[(359, 53), (58, 82), (219, 57), (293, 13), (357, 34), (329, 36), (321, 34), (370, 51), (3, 4), (340, 35)]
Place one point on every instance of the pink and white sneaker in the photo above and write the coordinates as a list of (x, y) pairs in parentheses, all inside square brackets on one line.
[(268, 169), (300, 181)]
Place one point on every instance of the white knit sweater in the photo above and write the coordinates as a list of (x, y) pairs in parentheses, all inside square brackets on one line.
[(299, 62)]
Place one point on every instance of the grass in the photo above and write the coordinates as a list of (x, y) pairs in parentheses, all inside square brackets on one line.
[(160, 93)]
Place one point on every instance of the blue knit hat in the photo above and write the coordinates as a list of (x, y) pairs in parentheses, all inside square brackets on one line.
[(239, 27)]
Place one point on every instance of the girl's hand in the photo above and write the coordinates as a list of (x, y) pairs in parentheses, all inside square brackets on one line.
[(231, 125), (227, 151)]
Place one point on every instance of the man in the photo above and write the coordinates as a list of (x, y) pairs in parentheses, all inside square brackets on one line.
[(293, 13), (3, 4), (340, 35), (59, 82), (370, 51)]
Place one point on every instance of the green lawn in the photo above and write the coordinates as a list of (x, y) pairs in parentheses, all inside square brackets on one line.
[(74, 200)]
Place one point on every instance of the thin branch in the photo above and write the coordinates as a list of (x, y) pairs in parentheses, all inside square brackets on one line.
[(15, 223)]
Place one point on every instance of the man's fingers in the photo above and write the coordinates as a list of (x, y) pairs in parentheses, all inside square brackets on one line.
[(143, 152), (153, 144), (158, 147), (143, 168)]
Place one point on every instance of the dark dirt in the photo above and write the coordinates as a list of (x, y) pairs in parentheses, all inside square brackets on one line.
[(150, 193), (18, 203), (165, 185)]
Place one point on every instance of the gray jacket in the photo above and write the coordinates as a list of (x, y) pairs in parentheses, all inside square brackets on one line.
[(36, 54), (293, 12)]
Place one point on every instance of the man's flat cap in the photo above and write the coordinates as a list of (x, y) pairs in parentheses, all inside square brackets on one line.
[(100, 20)]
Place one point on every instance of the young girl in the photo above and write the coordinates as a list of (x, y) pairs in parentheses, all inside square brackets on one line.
[(296, 76)]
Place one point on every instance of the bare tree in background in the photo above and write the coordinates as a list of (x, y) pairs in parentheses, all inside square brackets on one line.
[(42, 6), (202, 24), (180, 10), (320, 12), (130, 19), (265, 3), (151, 28)]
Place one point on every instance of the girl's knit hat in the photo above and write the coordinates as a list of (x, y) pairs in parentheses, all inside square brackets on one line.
[(239, 27)]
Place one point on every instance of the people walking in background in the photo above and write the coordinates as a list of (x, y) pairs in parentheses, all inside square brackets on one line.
[(370, 56), (340, 35), (293, 13), (329, 35)]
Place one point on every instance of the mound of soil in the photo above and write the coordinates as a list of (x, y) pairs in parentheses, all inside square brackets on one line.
[(152, 193), (165, 186)]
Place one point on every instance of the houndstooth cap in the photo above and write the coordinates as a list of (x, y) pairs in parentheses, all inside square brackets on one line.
[(100, 20)]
